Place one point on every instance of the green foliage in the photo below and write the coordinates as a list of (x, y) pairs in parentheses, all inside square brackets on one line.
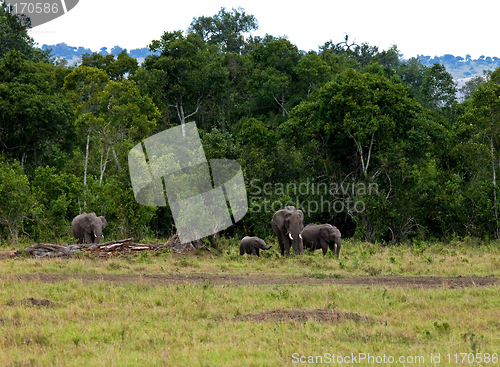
[(385, 134), (16, 200), (225, 29), (117, 68), (58, 196), (35, 123), (14, 35)]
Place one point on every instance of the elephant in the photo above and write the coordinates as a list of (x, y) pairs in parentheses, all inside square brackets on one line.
[(87, 228), (287, 224), (315, 236), (252, 245)]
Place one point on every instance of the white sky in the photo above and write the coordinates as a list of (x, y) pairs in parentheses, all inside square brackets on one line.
[(428, 27)]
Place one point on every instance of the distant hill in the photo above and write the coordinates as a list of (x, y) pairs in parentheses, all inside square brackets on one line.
[(74, 54), (462, 69)]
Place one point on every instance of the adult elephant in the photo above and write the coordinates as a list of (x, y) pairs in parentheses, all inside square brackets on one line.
[(322, 236), (287, 224), (252, 246), (87, 228)]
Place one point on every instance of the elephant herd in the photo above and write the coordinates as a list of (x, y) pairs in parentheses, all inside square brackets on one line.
[(288, 225)]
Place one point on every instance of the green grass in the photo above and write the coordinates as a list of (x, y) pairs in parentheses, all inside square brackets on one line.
[(104, 324), (465, 258)]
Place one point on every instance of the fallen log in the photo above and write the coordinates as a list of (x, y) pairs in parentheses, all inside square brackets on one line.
[(115, 242), (174, 244), (106, 249), (50, 250)]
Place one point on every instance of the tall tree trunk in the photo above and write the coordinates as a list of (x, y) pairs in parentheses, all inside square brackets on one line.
[(182, 117), (103, 165), (116, 160), (492, 152), (364, 165), (85, 171)]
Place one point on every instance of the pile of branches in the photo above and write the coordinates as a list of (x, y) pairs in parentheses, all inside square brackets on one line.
[(105, 250), (174, 244)]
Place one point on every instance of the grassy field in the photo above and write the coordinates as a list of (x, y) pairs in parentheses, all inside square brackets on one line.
[(82, 322)]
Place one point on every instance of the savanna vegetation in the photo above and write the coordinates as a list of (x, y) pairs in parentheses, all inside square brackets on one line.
[(209, 308), (353, 135)]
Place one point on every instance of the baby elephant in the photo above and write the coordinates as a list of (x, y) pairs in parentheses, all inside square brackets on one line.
[(252, 245)]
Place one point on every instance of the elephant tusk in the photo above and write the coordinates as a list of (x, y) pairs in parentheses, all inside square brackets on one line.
[(300, 236), (290, 235)]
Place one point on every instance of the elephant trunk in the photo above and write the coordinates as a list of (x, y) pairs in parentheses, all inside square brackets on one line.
[(339, 245), (296, 239)]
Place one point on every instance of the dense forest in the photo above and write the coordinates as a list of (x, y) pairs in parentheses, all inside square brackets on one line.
[(352, 135)]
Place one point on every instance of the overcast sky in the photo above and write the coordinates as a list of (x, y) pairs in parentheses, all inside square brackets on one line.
[(427, 27)]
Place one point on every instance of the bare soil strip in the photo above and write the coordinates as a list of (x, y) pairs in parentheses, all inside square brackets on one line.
[(321, 316), (264, 279)]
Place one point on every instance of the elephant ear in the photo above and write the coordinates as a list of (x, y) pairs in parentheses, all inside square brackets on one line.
[(104, 221)]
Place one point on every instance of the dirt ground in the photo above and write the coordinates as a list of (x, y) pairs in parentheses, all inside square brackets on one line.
[(266, 279), (321, 315)]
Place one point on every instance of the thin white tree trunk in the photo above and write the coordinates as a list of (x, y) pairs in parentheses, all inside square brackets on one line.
[(492, 151), (85, 169), (364, 166), (116, 160), (182, 117), (103, 165)]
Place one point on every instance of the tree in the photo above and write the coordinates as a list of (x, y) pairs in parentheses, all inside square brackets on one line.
[(111, 111), (16, 201), (14, 35), (225, 28), (35, 118), (272, 77), (118, 67), (186, 73), (312, 72), (363, 129), (471, 85), (482, 116), (438, 88)]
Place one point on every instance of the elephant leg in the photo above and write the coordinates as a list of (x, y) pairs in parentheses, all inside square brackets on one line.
[(88, 237), (281, 243), (324, 246), (258, 252), (332, 247), (286, 243)]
